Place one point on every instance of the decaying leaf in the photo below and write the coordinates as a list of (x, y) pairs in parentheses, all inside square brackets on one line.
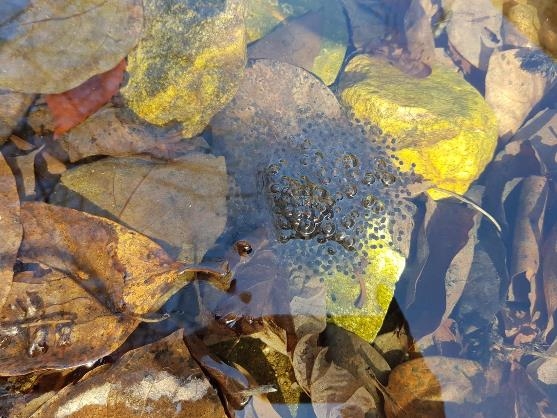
[(474, 29), (472, 280), (181, 203), (74, 106), (22, 161), (160, 378), (336, 392), (112, 132), (315, 41), (188, 63), (83, 284), (230, 380), (418, 31), (548, 292), (52, 46), (10, 225), (513, 90), (368, 22), (12, 108), (434, 386), (440, 238)]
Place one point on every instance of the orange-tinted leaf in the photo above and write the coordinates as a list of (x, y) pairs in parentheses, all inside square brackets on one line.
[(434, 386), (83, 284), (74, 106)]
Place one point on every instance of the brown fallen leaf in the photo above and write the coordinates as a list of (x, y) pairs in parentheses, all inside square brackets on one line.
[(22, 161), (417, 27), (442, 235), (230, 381), (51, 46), (541, 133), (335, 392), (368, 22), (83, 284), (519, 396), (513, 87), (527, 234), (111, 131), (10, 225), (180, 203), (549, 284), (474, 29), (159, 379), (434, 386), (74, 106)]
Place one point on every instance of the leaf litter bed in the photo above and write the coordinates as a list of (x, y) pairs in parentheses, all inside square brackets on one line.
[(240, 258)]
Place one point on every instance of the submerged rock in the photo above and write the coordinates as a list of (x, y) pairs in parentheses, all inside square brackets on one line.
[(443, 124), (189, 62)]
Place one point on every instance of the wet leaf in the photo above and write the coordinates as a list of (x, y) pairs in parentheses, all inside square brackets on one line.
[(368, 22), (539, 132), (434, 386), (474, 29), (229, 379), (189, 192), (520, 396), (112, 132), (549, 284), (481, 298), (52, 47), (525, 256), (544, 369), (160, 378), (512, 90), (439, 240), (83, 284), (315, 41), (23, 166), (12, 108), (418, 32), (266, 370), (74, 106), (10, 225), (335, 392), (472, 283), (356, 355), (188, 63), (263, 15)]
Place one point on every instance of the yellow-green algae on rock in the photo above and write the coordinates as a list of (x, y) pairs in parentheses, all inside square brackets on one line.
[(263, 15), (384, 268), (442, 123), (189, 62)]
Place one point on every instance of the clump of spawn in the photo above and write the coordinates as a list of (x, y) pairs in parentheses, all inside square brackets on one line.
[(336, 189)]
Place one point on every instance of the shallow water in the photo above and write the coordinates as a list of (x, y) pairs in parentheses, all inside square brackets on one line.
[(332, 277)]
